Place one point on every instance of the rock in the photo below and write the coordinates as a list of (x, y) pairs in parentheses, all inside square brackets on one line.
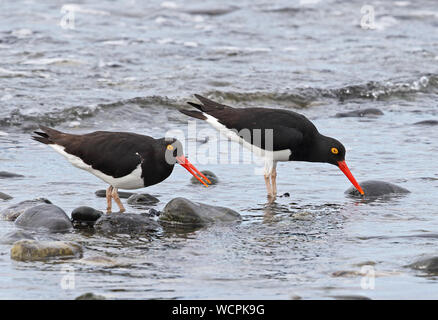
[(152, 213), (13, 212), (90, 296), (210, 175), (429, 265), (99, 261), (125, 223), (360, 113), (142, 199), (427, 123), (373, 188), (122, 194), (45, 216), (5, 174), (183, 211), (4, 196), (350, 297), (31, 250), (13, 236), (83, 217)]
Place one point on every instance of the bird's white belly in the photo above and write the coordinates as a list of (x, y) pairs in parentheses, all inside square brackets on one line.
[(280, 155), (130, 181)]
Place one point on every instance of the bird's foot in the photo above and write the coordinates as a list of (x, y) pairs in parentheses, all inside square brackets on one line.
[(108, 210), (122, 210)]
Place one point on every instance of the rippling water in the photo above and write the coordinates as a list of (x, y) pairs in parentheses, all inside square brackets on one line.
[(129, 65)]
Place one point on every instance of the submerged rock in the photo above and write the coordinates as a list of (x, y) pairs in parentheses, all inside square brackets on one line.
[(5, 174), (45, 216), (360, 113), (125, 223), (122, 194), (429, 265), (90, 296), (142, 199), (4, 196), (210, 175), (13, 212), (183, 211), (374, 188), (426, 123), (31, 250), (14, 236), (85, 216)]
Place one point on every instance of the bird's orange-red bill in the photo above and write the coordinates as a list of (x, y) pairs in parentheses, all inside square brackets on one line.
[(343, 166), (184, 162)]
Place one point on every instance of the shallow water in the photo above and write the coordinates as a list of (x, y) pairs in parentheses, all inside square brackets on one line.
[(129, 66)]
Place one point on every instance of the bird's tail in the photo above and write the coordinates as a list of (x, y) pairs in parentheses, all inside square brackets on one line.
[(46, 135), (207, 106)]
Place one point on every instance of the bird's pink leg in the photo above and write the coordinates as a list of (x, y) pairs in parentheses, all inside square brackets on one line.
[(109, 199), (274, 182), (268, 185), (116, 198)]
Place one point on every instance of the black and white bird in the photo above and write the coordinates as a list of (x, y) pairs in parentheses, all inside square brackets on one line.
[(293, 137), (121, 159)]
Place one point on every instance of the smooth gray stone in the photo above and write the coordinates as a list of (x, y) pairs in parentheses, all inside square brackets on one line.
[(90, 296), (4, 196), (122, 194), (13, 236), (11, 213), (142, 199), (360, 113), (125, 223), (374, 188), (5, 174), (429, 265), (44, 217), (210, 175), (32, 250), (183, 211)]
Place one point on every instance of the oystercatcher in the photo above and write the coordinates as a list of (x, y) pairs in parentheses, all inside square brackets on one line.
[(293, 137), (123, 160)]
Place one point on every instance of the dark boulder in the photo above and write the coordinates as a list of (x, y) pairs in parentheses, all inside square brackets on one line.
[(125, 223), (373, 188), (122, 194), (4, 196), (428, 265), (210, 175), (142, 199), (360, 113), (5, 174), (44, 217), (13, 212), (426, 123), (90, 296), (85, 216), (185, 212)]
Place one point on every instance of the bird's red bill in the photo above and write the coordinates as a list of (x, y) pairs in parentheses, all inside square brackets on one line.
[(343, 166), (183, 161)]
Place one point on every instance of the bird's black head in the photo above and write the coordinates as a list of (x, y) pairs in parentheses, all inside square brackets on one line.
[(174, 154), (328, 150)]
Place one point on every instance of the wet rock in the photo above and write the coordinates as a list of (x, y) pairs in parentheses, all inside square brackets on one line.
[(210, 175), (429, 265), (374, 188), (90, 296), (350, 297), (183, 211), (426, 123), (31, 250), (142, 199), (13, 212), (4, 196), (360, 113), (153, 213), (84, 217), (5, 174), (14, 236), (122, 194), (125, 223), (44, 217), (99, 261)]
